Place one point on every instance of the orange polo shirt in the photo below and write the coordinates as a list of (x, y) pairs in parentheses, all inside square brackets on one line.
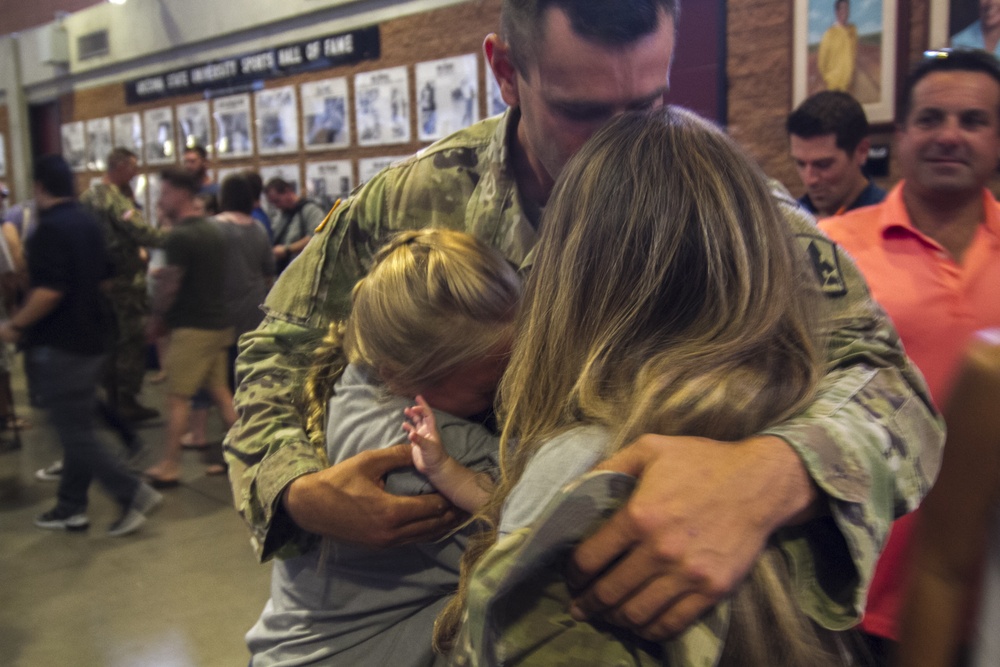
[(936, 305)]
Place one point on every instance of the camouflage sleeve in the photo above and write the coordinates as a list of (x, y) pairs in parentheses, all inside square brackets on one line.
[(871, 439), (267, 448), (136, 227)]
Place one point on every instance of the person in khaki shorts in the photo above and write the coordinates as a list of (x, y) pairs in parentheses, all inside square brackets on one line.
[(188, 301)]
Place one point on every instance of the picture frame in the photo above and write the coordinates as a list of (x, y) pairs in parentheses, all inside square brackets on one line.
[(326, 114), (277, 120), (233, 127), (823, 58), (161, 145), (127, 132), (328, 181), (382, 107), (194, 126), (957, 23), (99, 143), (74, 144), (447, 96)]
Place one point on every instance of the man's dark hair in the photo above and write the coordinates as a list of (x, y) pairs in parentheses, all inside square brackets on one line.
[(279, 185), (830, 112), (946, 60), (236, 194), (181, 179), (838, 3), (119, 156), (256, 183), (199, 149), (54, 175), (607, 22)]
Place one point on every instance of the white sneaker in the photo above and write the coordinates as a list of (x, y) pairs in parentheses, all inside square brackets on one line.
[(52, 473), (132, 518), (57, 519)]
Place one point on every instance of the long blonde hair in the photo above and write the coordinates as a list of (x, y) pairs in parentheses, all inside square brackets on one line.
[(667, 298), (433, 300)]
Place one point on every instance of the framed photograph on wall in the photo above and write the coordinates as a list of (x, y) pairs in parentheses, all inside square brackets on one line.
[(74, 145), (382, 107), (233, 138), (969, 23), (277, 120), (98, 143), (847, 45), (127, 132), (193, 125), (447, 96), (328, 181), (326, 121), (161, 148)]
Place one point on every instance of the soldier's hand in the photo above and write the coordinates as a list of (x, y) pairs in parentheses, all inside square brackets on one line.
[(700, 515), (348, 502)]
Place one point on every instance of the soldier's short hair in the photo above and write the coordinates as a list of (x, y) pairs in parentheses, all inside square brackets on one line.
[(830, 112), (181, 178), (607, 22)]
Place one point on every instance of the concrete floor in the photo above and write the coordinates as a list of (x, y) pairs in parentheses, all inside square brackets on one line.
[(181, 592)]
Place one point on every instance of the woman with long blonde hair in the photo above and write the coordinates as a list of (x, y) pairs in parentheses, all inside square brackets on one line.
[(666, 298)]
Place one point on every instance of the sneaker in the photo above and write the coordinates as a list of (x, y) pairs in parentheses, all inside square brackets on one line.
[(132, 518), (53, 473), (58, 519)]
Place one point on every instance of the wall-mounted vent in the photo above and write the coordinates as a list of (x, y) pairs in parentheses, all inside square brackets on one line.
[(92, 44)]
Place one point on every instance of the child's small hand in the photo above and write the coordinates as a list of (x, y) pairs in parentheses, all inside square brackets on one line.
[(425, 441)]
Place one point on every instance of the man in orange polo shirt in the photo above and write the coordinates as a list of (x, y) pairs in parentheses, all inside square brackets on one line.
[(931, 251)]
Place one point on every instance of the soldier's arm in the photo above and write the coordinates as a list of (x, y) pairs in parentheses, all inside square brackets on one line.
[(865, 451), (133, 223), (281, 485)]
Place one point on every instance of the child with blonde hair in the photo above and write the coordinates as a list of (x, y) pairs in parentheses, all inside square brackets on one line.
[(434, 318)]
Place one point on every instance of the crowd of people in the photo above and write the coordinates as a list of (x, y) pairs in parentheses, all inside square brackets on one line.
[(578, 383)]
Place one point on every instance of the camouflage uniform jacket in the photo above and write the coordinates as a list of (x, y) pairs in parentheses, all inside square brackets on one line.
[(871, 440), (124, 236)]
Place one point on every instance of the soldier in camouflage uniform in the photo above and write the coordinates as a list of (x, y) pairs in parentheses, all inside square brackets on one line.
[(126, 233), (868, 445)]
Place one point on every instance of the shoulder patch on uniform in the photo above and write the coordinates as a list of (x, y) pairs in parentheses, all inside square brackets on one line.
[(822, 254)]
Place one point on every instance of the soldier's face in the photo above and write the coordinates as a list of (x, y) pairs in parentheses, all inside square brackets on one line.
[(575, 86), (950, 142)]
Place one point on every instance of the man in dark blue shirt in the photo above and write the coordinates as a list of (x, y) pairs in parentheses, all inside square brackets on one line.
[(828, 137), (65, 328)]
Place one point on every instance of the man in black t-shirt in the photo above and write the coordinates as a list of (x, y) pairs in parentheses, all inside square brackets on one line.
[(65, 328)]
